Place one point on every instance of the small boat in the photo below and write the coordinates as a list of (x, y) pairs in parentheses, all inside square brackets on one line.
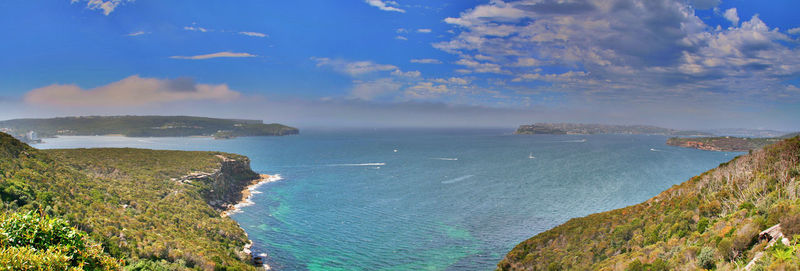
[(530, 156)]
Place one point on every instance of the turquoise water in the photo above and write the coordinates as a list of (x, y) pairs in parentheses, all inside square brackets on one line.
[(444, 200)]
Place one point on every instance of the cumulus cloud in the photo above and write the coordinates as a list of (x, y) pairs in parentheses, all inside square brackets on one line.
[(411, 74), (624, 51), (106, 6), (253, 34), (426, 61), (385, 5), (480, 67), (732, 16), (794, 31), (424, 30), (215, 55), (426, 90), (131, 91)]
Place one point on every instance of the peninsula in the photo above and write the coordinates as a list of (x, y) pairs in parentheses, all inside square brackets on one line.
[(743, 213), (586, 129), (726, 143), (134, 208), (30, 130)]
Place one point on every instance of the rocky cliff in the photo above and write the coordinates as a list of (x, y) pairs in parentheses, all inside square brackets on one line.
[(223, 187)]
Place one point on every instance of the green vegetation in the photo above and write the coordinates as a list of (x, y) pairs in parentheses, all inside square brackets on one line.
[(31, 242), (586, 129), (154, 209), (711, 221), (144, 126)]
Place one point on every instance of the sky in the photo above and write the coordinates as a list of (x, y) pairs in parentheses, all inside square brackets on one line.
[(690, 64)]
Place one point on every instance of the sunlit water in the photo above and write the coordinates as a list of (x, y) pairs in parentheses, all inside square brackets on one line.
[(430, 199)]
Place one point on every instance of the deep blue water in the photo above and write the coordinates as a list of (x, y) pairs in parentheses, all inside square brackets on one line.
[(445, 200)]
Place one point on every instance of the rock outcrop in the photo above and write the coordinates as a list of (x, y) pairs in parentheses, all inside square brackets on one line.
[(223, 187)]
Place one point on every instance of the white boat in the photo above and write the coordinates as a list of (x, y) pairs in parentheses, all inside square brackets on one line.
[(530, 156)]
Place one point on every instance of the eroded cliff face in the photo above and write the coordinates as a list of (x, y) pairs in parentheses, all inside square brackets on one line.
[(223, 187)]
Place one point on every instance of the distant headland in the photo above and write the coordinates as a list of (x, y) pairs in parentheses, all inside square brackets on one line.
[(587, 129), (726, 143), (31, 130)]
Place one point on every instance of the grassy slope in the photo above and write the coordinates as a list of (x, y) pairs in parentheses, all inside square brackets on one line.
[(707, 221), (125, 198)]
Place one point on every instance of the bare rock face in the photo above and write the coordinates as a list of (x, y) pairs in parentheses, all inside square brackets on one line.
[(223, 187)]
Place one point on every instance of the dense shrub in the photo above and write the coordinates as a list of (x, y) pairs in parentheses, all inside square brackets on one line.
[(32, 242), (705, 258)]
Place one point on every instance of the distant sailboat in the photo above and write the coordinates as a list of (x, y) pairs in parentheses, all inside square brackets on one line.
[(530, 156)]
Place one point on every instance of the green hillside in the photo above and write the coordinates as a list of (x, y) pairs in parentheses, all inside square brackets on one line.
[(137, 203), (144, 126), (708, 222)]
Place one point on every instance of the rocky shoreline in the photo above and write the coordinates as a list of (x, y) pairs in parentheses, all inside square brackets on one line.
[(245, 200)]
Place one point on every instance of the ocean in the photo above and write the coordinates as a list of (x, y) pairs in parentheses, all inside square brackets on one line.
[(429, 199)]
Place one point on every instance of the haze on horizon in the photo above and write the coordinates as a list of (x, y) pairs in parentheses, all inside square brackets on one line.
[(696, 64)]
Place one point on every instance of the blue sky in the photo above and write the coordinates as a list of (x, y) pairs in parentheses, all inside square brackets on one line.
[(683, 64)]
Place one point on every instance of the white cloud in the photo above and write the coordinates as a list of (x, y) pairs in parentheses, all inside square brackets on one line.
[(426, 61), (369, 90), (732, 16), (195, 28), (424, 30), (401, 30), (352, 68), (214, 55), (400, 38), (527, 62), (410, 74), (131, 91), (426, 90), (385, 5), (253, 34), (645, 50), (452, 81), (480, 67), (107, 6), (794, 31), (137, 33)]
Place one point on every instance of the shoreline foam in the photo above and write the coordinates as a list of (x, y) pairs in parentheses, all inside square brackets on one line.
[(248, 193), (246, 200)]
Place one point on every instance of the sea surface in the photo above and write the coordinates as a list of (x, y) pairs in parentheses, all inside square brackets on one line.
[(429, 199)]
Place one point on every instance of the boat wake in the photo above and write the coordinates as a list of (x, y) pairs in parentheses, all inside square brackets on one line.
[(572, 141), (457, 179), (358, 165), (445, 159)]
